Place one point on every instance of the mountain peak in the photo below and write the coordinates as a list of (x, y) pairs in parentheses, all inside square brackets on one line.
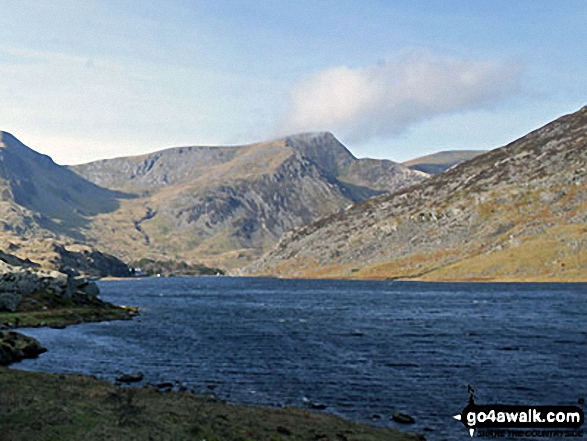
[(16, 148), (7, 138), (311, 136), (322, 148), (61, 198)]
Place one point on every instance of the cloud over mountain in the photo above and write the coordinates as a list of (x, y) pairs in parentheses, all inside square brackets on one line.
[(386, 98)]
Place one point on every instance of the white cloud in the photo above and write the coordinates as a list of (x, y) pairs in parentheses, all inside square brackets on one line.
[(385, 99)]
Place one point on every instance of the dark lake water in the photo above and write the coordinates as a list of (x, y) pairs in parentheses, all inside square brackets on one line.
[(364, 349)]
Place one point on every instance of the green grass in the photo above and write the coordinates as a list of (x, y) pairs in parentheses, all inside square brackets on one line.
[(35, 406), (66, 316)]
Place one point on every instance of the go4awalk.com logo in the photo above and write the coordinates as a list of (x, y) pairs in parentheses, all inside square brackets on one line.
[(503, 421)]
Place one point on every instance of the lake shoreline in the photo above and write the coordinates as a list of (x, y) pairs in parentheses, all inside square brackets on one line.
[(37, 405), (364, 350), (142, 412)]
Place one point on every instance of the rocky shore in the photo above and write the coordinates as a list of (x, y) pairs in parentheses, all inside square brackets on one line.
[(19, 285), (32, 296)]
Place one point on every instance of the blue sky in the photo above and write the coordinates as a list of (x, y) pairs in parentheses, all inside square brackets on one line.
[(82, 80)]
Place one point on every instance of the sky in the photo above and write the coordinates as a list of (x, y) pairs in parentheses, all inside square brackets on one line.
[(86, 80)]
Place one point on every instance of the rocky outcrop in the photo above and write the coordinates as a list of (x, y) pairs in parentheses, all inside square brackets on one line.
[(88, 261), (403, 418), (18, 284), (168, 268), (134, 377), (73, 259), (15, 347)]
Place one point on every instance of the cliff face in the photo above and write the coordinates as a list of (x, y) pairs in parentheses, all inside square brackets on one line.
[(514, 213)]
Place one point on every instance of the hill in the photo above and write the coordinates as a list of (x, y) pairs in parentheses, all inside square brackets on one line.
[(41, 192), (438, 162), (515, 213), (46, 209), (225, 206)]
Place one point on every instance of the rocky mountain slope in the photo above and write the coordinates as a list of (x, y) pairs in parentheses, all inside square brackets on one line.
[(438, 162), (45, 210), (515, 213), (61, 254), (225, 206)]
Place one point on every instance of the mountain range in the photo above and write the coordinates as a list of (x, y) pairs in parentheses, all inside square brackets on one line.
[(514, 213), (304, 206), (441, 161), (223, 206)]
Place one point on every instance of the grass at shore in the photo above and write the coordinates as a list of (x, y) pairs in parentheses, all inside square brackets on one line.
[(67, 315), (37, 406)]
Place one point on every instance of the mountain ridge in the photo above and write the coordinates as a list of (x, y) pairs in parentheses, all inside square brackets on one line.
[(237, 207), (441, 161), (504, 202)]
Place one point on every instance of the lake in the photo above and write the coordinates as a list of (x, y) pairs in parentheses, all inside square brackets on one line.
[(363, 349)]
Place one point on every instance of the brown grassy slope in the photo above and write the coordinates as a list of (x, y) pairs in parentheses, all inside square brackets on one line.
[(36, 406), (515, 213)]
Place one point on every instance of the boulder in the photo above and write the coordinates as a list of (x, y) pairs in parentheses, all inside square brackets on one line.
[(403, 418), (80, 286), (15, 346), (9, 302), (130, 378), (89, 290)]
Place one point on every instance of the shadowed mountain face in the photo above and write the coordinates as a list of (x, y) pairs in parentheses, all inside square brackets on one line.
[(227, 205), (514, 213), (439, 162), (54, 198)]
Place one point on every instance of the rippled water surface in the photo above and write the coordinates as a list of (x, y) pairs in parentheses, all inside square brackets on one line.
[(364, 349)]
